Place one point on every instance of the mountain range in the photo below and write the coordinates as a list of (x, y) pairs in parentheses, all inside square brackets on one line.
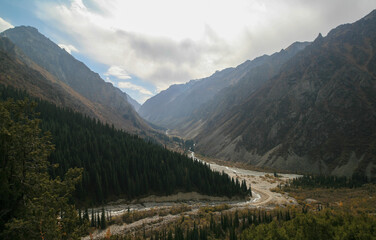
[(310, 107), (174, 107)]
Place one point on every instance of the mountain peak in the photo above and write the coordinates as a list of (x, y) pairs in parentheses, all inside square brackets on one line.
[(297, 46), (113, 104), (371, 15), (23, 28), (319, 38)]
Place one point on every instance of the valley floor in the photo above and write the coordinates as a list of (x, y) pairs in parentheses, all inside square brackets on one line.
[(160, 211)]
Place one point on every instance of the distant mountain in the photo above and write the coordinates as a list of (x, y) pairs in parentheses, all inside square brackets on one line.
[(318, 114), (134, 103), (171, 107), (258, 72), (174, 107), (106, 102)]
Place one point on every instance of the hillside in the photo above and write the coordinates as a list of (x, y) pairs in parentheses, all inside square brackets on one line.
[(174, 107), (38, 82), (119, 165), (108, 103), (258, 70), (317, 114), (309, 107)]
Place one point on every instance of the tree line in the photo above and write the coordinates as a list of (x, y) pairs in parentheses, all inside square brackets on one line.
[(328, 181)]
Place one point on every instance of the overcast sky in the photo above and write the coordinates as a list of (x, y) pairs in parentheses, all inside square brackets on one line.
[(143, 47)]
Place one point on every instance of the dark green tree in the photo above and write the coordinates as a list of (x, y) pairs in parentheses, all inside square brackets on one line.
[(33, 205)]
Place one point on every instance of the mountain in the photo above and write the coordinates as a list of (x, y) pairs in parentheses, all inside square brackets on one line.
[(257, 73), (62, 70), (174, 107), (115, 164), (318, 114), (134, 103), (19, 71)]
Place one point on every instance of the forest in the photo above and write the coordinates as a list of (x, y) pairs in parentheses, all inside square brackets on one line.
[(329, 181), (119, 165)]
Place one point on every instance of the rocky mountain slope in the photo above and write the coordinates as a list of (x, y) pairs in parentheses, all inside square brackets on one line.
[(20, 72), (261, 69), (63, 73), (318, 114), (174, 107), (134, 103)]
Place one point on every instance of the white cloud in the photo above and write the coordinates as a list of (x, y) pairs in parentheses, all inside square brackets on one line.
[(4, 25), (129, 85), (69, 48), (167, 41), (118, 72), (107, 79)]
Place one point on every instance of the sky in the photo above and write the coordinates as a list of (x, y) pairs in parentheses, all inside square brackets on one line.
[(144, 46)]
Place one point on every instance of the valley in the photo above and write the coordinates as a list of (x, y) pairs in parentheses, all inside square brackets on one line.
[(191, 203), (218, 141)]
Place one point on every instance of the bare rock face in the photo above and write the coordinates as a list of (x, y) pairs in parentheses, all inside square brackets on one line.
[(318, 114)]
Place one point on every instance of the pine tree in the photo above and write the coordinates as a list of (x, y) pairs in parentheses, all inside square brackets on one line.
[(31, 201), (93, 221), (103, 224)]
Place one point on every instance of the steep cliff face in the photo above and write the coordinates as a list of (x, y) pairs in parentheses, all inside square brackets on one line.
[(318, 114), (109, 103)]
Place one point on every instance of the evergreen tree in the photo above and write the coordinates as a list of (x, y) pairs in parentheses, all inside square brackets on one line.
[(103, 220), (116, 163), (31, 201)]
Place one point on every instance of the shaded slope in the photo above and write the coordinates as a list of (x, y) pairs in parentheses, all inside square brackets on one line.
[(318, 114), (173, 107), (258, 70)]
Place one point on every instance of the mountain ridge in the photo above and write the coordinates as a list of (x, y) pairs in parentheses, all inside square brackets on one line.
[(304, 118), (175, 105), (109, 102), (313, 111)]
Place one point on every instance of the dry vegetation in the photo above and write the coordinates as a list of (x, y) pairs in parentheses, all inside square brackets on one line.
[(357, 200), (134, 216)]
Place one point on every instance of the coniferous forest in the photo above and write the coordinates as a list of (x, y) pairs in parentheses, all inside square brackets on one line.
[(119, 165)]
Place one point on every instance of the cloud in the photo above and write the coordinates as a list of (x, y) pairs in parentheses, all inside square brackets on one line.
[(118, 72), (4, 25), (69, 48), (129, 85), (165, 42), (107, 79)]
